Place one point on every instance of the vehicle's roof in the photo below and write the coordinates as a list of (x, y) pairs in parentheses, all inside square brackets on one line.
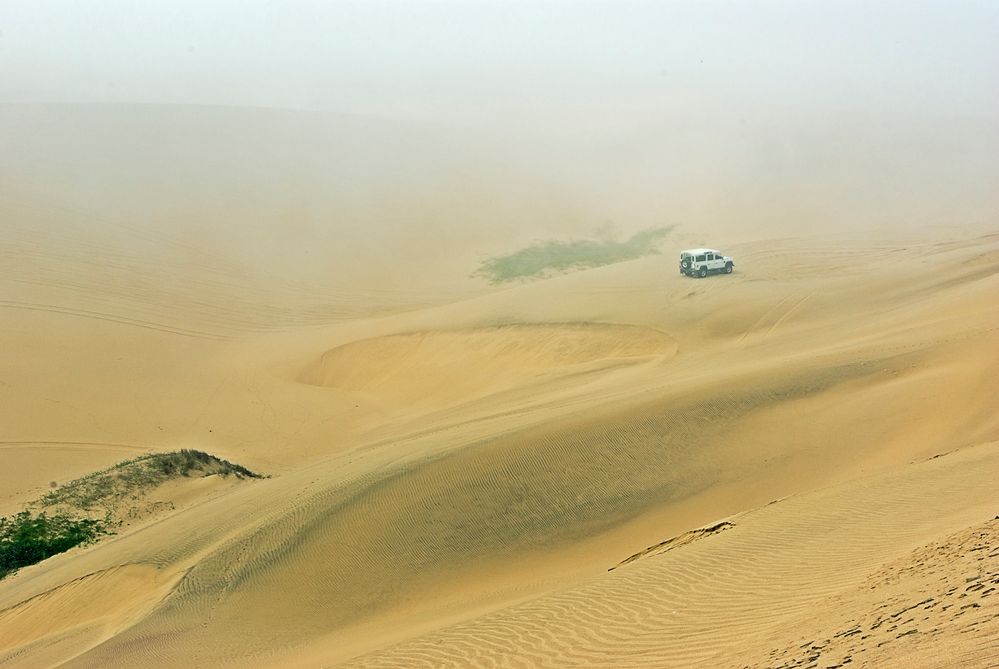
[(699, 251)]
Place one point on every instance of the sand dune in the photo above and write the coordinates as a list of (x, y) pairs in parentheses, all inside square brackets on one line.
[(613, 467), (932, 607), (457, 365), (754, 585)]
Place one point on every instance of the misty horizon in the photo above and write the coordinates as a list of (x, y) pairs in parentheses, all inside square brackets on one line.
[(396, 141), (466, 62)]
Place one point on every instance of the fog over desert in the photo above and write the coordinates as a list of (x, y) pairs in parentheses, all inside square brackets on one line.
[(352, 334)]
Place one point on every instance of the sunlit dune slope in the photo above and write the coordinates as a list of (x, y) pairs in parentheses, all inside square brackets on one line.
[(452, 482), (463, 364)]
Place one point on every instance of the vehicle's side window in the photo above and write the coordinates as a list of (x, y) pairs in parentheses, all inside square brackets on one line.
[(700, 258)]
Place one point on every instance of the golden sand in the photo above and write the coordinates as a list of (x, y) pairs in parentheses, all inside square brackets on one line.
[(460, 472)]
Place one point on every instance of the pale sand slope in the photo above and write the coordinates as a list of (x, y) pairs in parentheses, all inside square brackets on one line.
[(503, 451)]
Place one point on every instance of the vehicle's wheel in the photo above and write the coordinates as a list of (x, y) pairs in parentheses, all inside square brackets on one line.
[(728, 268), (703, 272)]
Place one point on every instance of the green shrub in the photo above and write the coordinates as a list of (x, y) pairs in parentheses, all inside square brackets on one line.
[(26, 538), (542, 258)]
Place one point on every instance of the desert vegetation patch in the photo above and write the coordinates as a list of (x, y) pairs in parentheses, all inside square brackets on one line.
[(83, 510), (550, 257)]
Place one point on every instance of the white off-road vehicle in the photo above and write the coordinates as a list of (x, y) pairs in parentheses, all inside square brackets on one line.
[(701, 262)]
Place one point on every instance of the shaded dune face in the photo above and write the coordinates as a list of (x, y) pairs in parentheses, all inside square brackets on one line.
[(445, 366), (728, 598)]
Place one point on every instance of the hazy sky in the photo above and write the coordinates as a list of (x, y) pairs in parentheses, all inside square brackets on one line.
[(554, 63), (498, 122)]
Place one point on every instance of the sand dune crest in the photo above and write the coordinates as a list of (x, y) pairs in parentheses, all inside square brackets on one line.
[(447, 365)]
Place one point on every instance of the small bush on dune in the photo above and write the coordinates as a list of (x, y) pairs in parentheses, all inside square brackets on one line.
[(544, 258), (107, 489), (81, 511), (26, 538)]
